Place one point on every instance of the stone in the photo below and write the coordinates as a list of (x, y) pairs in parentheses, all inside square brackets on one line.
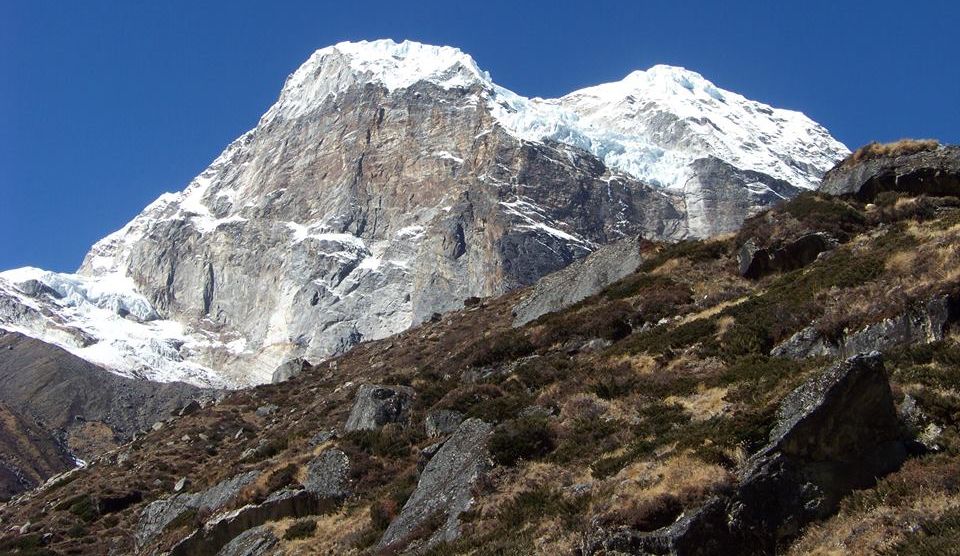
[(441, 422), (579, 280), (923, 324), (328, 474), (258, 541), (376, 405), (189, 409), (155, 517), (266, 410), (834, 434), (444, 487), (157, 426), (929, 172), (290, 369), (321, 437), (180, 484), (754, 261)]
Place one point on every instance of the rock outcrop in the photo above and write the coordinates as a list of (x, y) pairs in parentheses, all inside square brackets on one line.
[(838, 432), (579, 280), (921, 325), (444, 489), (157, 515), (754, 261), (932, 172), (289, 370), (259, 541), (374, 406), (441, 422)]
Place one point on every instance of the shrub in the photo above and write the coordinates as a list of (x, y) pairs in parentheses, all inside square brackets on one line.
[(525, 438), (300, 529), (282, 477), (503, 346), (898, 148)]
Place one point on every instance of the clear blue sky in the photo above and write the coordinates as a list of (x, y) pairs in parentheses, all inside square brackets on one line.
[(105, 105)]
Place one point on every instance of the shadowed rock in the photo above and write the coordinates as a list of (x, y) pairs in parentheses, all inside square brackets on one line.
[(290, 369), (755, 261), (444, 489), (442, 421), (931, 172), (258, 541), (375, 406), (920, 325), (836, 433)]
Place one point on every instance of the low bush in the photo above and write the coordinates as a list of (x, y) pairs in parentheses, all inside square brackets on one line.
[(898, 148), (525, 438), (300, 529)]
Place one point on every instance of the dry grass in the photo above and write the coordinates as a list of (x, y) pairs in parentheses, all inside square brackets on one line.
[(898, 148), (703, 404)]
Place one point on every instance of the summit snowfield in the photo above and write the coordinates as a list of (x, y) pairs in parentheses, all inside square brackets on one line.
[(389, 182)]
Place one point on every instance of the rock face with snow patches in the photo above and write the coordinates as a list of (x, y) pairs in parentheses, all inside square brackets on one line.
[(391, 181)]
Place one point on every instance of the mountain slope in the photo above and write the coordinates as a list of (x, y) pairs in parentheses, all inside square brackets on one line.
[(391, 181), (626, 422)]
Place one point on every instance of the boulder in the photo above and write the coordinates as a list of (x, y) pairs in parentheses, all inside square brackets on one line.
[(266, 410), (444, 489), (754, 261), (258, 541), (155, 517), (441, 422), (929, 172), (328, 474), (290, 369), (579, 280), (836, 433), (375, 406)]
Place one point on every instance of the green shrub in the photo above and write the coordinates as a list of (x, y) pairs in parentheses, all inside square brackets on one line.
[(525, 438), (503, 346)]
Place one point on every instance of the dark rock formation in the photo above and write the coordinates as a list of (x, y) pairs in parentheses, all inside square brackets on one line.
[(157, 515), (755, 261), (932, 172), (838, 432), (580, 280), (442, 421), (375, 406), (920, 325), (443, 491)]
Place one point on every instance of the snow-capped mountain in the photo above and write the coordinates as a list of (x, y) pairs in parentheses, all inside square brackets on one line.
[(391, 181)]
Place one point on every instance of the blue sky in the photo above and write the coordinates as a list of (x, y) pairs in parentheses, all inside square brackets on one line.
[(105, 105)]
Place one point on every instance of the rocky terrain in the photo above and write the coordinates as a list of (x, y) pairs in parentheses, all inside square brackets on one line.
[(756, 393), (57, 410), (390, 182)]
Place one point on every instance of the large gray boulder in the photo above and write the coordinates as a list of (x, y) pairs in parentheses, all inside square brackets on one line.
[(328, 474), (930, 172), (580, 280), (923, 324), (441, 422), (838, 432), (375, 405), (444, 488), (157, 515)]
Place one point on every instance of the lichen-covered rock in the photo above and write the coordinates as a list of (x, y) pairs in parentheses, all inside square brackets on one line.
[(259, 541), (930, 172), (376, 405), (328, 474), (836, 433), (580, 280), (442, 421), (920, 325), (444, 489), (158, 514)]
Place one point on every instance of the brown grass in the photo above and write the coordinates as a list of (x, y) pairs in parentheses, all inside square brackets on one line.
[(897, 148)]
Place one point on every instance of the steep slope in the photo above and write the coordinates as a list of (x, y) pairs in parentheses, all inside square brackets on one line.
[(59, 409), (652, 415), (390, 182)]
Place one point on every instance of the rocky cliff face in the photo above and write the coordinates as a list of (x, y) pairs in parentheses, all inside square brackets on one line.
[(390, 182)]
